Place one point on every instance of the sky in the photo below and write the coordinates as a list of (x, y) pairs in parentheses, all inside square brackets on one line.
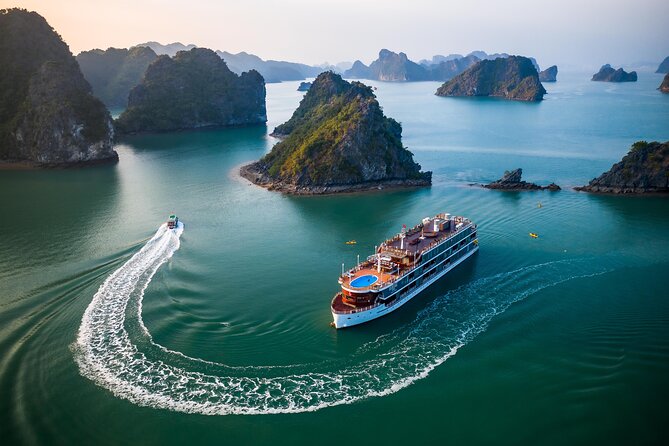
[(579, 34)]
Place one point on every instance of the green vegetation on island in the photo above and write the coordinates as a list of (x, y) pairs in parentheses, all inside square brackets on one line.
[(396, 67), (645, 169), (271, 70), (48, 114), (114, 72), (193, 89), (337, 140), (514, 77)]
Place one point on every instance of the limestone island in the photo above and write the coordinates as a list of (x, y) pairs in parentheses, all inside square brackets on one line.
[(397, 67), (338, 140), (514, 77), (512, 181), (115, 71), (191, 90), (608, 74), (664, 66), (645, 169), (48, 114), (664, 86), (549, 74), (304, 86)]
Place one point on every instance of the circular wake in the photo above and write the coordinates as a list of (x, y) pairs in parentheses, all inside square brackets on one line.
[(160, 378)]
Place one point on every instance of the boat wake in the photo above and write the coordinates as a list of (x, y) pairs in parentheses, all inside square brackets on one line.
[(114, 349)]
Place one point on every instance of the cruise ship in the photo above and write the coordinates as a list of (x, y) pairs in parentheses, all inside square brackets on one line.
[(402, 267)]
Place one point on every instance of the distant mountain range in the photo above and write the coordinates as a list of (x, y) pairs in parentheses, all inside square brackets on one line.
[(481, 55), (397, 67), (271, 70)]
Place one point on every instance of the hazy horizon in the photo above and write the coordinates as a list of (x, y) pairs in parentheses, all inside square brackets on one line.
[(572, 35)]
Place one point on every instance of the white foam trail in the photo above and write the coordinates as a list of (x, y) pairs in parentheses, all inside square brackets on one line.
[(106, 354)]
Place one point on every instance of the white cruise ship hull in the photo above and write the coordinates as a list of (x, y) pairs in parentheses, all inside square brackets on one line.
[(362, 316)]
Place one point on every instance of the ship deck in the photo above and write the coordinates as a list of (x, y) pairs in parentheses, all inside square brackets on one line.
[(415, 244), (417, 240), (383, 277), (339, 306)]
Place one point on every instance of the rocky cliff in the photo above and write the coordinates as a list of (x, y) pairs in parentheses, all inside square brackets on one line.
[(193, 89), (512, 180), (338, 140), (510, 78), (549, 74), (396, 67), (645, 169), (664, 66), (609, 74), (48, 115), (447, 69), (664, 86), (115, 71), (358, 71)]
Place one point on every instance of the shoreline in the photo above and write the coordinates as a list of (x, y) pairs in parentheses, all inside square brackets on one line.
[(7, 165), (621, 192), (258, 178), (121, 134)]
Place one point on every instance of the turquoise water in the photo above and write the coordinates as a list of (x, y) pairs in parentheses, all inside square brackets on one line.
[(562, 339)]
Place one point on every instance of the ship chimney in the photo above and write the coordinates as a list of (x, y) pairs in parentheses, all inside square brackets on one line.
[(402, 241), (378, 264), (436, 225)]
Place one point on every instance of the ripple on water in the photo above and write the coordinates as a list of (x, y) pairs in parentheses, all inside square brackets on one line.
[(148, 374)]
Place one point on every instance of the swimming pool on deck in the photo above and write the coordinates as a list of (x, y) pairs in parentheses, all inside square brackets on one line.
[(363, 281)]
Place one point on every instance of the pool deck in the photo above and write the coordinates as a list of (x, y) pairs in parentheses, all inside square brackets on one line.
[(383, 278), (417, 240)]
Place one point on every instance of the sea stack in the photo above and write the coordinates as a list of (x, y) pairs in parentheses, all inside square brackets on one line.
[(338, 140), (304, 86), (48, 114), (609, 74), (549, 74), (645, 169), (514, 77), (194, 89), (512, 180)]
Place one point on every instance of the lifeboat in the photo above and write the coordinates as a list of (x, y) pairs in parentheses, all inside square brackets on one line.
[(534, 235)]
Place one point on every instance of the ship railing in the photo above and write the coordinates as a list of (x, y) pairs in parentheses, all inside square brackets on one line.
[(372, 259), (357, 310)]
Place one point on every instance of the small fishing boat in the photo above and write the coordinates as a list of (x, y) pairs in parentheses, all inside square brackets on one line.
[(172, 221), (534, 235), (351, 242)]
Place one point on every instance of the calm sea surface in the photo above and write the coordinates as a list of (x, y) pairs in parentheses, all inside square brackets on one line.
[(558, 340)]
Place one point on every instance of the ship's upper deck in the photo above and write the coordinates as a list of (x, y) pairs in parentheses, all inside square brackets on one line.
[(401, 253), (425, 235)]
